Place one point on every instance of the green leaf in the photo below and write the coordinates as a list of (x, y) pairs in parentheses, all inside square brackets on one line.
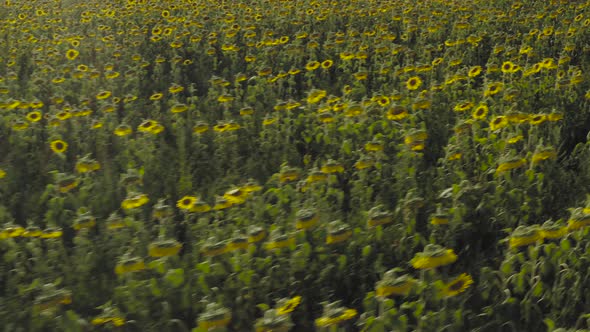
[(263, 306), (538, 289), (367, 251), (565, 244), (550, 324), (204, 267), (175, 277), (156, 291)]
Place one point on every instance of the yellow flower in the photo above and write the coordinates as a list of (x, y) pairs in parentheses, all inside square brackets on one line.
[(515, 139), (123, 130), (116, 321), (474, 71), (544, 154), (580, 218), (200, 127), (221, 203), (312, 65), (186, 202), (439, 219), (103, 95), (332, 167), (58, 146), (457, 285), (524, 236), (464, 106), (156, 96), (200, 207), (19, 125), (67, 184), (549, 230), (87, 166), (361, 75), (433, 256), (178, 108), (390, 285), (257, 234), (289, 305), (508, 67), (413, 83), (34, 116), (397, 113), (493, 88), (129, 266), (315, 96), (134, 201), (510, 165), (164, 248), (416, 140), (537, 119), (327, 64), (236, 196), (306, 219), (498, 122), (517, 117), (480, 112), (279, 243), (72, 54), (338, 236), (2, 173), (331, 320)]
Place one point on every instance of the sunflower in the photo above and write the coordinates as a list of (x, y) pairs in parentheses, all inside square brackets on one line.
[(493, 88), (72, 54), (433, 256), (464, 106), (508, 67), (306, 219), (391, 285), (524, 236), (397, 113), (457, 285), (103, 95), (413, 83), (335, 317), (551, 230), (544, 154), (312, 65), (480, 112), (510, 164), (287, 306), (134, 201), (537, 119), (326, 64), (123, 130), (164, 248), (115, 320), (315, 96), (361, 75), (332, 167), (34, 116), (156, 96), (498, 122), (129, 265), (58, 146), (580, 218), (186, 202)]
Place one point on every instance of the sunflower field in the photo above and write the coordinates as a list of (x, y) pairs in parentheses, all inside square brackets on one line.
[(294, 165)]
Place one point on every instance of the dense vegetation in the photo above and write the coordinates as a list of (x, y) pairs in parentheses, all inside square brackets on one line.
[(294, 165)]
